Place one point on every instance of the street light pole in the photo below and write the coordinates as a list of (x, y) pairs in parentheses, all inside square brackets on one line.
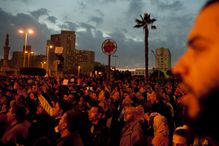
[(28, 58), (79, 70), (47, 57), (115, 56), (25, 48), (30, 31)]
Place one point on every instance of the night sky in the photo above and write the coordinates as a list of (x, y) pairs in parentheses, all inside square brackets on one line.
[(95, 20)]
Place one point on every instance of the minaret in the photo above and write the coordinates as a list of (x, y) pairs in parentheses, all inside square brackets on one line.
[(6, 51)]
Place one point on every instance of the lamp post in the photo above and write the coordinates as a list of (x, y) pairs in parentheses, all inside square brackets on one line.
[(79, 70), (47, 56), (115, 56), (26, 32), (42, 64), (28, 57)]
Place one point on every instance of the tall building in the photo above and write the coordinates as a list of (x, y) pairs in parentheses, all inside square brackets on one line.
[(163, 59), (66, 40), (74, 60), (17, 59), (6, 49), (38, 60)]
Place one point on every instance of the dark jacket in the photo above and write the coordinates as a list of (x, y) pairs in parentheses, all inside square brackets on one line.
[(99, 136), (72, 140)]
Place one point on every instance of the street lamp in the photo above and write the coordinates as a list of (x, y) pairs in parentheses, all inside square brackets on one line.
[(79, 70), (47, 56), (42, 63), (115, 56), (28, 57), (26, 32)]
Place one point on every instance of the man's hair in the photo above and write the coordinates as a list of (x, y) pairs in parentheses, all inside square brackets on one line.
[(210, 2), (186, 134), (73, 120)]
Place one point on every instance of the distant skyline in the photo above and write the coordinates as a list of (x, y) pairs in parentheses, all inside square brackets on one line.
[(96, 20)]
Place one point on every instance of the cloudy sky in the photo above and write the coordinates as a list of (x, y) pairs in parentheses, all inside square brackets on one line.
[(95, 20)]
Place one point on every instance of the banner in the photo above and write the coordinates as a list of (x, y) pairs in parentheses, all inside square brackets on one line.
[(46, 106)]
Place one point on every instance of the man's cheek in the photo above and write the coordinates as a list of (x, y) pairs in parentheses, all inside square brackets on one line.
[(205, 71)]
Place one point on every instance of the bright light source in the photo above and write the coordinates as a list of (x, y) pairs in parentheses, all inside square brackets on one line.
[(50, 46), (31, 52), (21, 31), (44, 62), (26, 52), (30, 31)]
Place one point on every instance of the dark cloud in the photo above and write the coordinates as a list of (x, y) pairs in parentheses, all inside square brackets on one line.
[(129, 51), (82, 5), (70, 26), (87, 26), (99, 12), (12, 24), (177, 5), (96, 20), (40, 12), (52, 19), (91, 40), (174, 20), (135, 8), (172, 33)]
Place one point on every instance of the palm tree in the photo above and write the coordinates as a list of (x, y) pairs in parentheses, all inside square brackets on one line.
[(145, 22)]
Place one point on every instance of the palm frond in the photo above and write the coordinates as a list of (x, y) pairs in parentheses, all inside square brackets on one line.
[(153, 27), (138, 21), (141, 17), (138, 25), (153, 20)]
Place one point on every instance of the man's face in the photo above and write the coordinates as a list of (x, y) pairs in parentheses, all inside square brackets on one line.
[(10, 115), (101, 96), (152, 97), (129, 114), (179, 140), (93, 114), (199, 67)]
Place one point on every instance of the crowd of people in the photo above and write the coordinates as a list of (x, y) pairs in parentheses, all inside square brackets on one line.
[(38, 111), (91, 112)]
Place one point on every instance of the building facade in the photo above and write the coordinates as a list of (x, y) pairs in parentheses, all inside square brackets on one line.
[(136, 71), (66, 40), (75, 61), (85, 61), (163, 59), (17, 59)]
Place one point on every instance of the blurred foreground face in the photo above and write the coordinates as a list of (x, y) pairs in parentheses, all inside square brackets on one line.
[(10, 115), (199, 67), (179, 140), (129, 114), (93, 114), (152, 97)]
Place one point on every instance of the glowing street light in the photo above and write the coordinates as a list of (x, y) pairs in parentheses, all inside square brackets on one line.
[(28, 57), (42, 63), (26, 32), (47, 56), (79, 70)]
